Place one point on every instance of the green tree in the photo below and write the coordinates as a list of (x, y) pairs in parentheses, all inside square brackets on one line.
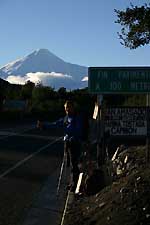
[(135, 22), (62, 92), (41, 93), (26, 91), (13, 91)]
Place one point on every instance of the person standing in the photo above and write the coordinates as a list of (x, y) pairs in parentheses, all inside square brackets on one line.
[(73, 139), (73, 128)]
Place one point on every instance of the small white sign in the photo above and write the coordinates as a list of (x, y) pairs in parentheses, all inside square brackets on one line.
[(95, 114)]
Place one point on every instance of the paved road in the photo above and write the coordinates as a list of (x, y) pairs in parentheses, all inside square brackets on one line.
[(26, 162)]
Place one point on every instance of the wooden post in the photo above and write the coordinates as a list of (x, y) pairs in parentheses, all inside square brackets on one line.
[(148, 129), (100, 133)]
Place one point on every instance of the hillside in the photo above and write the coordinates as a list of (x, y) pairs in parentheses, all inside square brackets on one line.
[(3, 82), (125, 201)]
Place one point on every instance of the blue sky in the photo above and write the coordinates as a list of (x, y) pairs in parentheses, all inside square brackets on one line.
[(78, 31)]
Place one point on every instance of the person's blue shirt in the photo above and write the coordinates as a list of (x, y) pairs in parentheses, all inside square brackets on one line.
[(72, 124)]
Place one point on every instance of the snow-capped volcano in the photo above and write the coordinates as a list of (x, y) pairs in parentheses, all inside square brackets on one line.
[(43, 66)]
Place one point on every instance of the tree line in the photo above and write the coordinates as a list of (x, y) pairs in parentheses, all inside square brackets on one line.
[(47, 103), (44, 102)]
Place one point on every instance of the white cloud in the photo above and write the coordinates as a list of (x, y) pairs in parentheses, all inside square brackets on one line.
[(44, 78), (85, 78), (16, 79), (55, 80)]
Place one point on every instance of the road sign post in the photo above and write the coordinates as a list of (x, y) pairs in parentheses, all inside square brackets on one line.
[(100, 132), (122, 80)]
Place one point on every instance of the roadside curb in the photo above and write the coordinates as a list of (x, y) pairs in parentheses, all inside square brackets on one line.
[(48, 207)]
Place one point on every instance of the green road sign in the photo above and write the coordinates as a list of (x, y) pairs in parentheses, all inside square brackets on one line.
[(107, 80)]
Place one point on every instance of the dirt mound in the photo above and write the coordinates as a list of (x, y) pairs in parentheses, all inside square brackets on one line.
[(125, 201)]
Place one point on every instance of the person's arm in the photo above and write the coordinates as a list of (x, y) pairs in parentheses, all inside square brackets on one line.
[(48, 125)]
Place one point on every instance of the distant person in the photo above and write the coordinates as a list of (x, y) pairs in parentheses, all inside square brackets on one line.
[(74, 135)]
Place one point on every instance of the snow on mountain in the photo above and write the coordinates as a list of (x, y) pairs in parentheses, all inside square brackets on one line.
[(42, 65)]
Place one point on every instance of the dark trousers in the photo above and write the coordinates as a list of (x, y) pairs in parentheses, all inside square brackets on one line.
[(73, 150)]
